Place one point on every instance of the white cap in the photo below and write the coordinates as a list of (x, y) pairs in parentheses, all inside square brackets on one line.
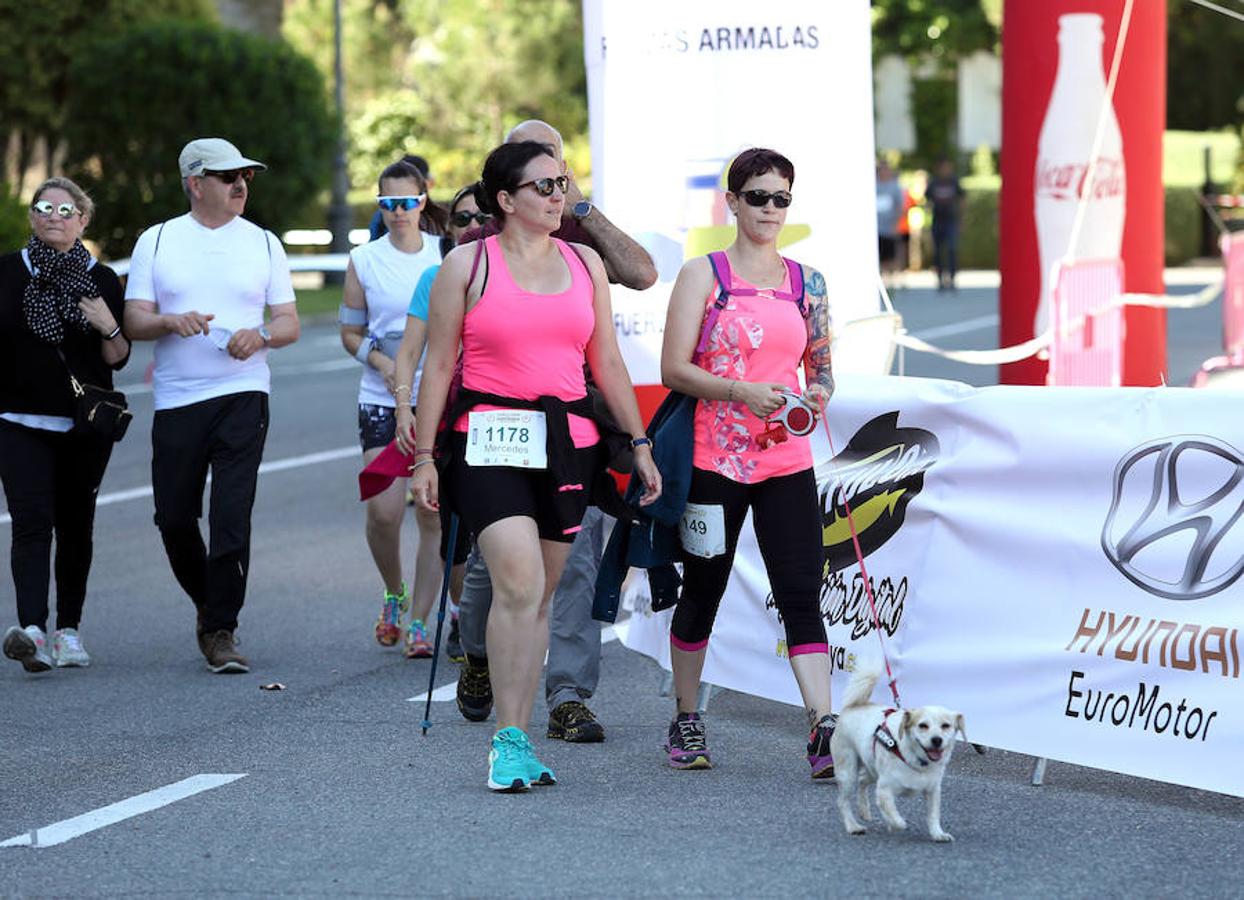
[(213, 155)]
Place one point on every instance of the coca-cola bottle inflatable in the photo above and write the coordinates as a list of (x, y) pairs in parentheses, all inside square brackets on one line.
[(1063, 152)]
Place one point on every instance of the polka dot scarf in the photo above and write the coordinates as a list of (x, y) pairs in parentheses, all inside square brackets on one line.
[(59, 282)]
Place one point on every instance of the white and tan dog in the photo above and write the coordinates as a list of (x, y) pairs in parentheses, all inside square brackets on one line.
[(903, 750)]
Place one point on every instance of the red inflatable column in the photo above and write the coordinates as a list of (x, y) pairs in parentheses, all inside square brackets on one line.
[(1056, 58)]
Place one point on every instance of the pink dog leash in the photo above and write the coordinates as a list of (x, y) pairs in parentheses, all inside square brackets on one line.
[(859, 555)]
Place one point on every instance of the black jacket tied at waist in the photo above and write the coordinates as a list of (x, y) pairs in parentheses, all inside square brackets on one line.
[(559, 445)]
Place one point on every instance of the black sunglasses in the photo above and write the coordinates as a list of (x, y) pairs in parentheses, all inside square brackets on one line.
[(464, 217), (231, 176), (544, 186), (781, 199)]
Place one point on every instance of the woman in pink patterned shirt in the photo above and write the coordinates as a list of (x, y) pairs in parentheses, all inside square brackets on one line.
[(744, 370)]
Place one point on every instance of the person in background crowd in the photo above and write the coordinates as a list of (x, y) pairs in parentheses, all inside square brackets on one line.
[(574, 647), (59, 313), (741, 460), (889, 209), (464, 215), (198, 287), (946, 198), (380, 279), (432, 216), (527, 311)]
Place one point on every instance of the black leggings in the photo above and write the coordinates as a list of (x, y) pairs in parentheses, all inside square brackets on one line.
[(787, 521), (50, 480)]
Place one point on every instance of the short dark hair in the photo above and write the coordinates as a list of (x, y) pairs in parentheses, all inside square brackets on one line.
[(403, 169), (471, 190), (419, 163), (757, 161), (503, 171)]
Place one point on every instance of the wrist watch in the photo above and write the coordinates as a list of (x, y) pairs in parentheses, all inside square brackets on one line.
[(581, 210), (265, 334)]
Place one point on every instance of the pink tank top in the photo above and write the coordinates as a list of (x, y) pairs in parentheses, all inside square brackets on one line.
[(755, 338), (524, 345)]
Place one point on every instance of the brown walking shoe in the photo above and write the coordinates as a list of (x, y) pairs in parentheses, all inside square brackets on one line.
[(222, 656)]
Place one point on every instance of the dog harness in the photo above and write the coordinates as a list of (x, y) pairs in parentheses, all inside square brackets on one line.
[(887, 740)]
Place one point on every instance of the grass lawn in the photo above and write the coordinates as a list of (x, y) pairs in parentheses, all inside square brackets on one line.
[(318, 302)]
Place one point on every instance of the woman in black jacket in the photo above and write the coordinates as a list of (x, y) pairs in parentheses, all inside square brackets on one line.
[(59, 312)]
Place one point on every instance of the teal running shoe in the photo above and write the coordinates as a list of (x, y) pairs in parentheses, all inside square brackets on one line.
[(537, 772), (509, 761)]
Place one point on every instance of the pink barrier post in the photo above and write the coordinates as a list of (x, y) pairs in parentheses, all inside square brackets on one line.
[(1233, 295), (1087, 347)]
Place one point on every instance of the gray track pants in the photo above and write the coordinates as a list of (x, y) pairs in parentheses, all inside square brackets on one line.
[(574, 636)]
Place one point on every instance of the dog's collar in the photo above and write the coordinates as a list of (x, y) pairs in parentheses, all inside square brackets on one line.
[(887, 740)]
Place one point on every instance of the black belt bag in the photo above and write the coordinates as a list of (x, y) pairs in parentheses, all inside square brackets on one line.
[(97, 410)]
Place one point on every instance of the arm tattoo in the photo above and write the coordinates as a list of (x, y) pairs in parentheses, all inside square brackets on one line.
[(820, 331)]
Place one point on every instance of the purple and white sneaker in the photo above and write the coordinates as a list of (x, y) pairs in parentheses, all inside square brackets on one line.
[(686, 744), (819, 757)]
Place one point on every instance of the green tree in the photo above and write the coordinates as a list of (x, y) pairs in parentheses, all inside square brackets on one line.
[(139, 96), (447, 80), (941, 31), (38, 44)]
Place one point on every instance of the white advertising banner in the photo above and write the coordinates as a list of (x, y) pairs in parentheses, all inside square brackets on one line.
[(1062, 565), (675, 90)]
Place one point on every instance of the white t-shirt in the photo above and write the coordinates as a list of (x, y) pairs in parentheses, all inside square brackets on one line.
[(389, 276), (230, 272)]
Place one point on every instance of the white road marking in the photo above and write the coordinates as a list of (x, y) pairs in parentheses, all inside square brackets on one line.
[(68, 829), (447, 692), (977, 324), (277, 465)]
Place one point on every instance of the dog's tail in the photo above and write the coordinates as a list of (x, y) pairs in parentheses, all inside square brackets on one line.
[(860, 688)]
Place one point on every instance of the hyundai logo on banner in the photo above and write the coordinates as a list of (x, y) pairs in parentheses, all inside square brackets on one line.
[(1172, 526)]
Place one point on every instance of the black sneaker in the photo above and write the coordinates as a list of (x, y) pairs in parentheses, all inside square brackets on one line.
[(819, 757), (687, 745), (572, 721), (453, 643), (474, 692)]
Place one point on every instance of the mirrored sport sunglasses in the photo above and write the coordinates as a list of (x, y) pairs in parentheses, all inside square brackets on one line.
[(44, 208), (544, 186), (231, 176), (781, 199), (464, 217), (390, 204)]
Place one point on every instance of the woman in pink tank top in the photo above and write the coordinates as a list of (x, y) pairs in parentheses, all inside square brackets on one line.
[(522, 447), (739, 354)]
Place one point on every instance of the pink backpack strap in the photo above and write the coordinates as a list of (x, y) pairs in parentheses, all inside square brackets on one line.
[(720, 264)]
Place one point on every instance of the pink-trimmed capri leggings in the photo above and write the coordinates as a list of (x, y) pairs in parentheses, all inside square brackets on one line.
[(787, 520)]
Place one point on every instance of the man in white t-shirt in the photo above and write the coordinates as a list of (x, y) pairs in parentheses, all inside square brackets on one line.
[(198, 286)]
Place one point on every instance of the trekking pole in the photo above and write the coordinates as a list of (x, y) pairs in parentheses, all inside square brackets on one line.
[(440, 617)]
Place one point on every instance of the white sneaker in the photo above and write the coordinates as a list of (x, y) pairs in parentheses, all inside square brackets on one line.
[(67, 648), (29, 647)]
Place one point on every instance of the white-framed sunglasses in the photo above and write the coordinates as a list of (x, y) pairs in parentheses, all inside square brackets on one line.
[(45, 208), (408, 201)]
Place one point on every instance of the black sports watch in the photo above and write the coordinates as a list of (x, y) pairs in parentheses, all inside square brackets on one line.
[(581, 210)]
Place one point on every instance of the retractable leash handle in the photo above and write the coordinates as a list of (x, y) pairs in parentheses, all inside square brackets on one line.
[(859, 556), (440, 618)]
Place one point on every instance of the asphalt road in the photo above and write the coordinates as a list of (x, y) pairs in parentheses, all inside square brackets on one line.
[(340, 794)]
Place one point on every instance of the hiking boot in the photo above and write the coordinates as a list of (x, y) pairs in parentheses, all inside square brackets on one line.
[(572, 721), (509, 761), (474, 691), (453, 643), (687, 745), (388, 624), (818, 748), (29, 647), (417, 644), (67, 649), (222, 655)]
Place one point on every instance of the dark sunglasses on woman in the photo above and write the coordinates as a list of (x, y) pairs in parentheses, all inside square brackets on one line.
[(232, 175), (781, 199), (392, 204), (45, 209), (544, 186), (464, 217)]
